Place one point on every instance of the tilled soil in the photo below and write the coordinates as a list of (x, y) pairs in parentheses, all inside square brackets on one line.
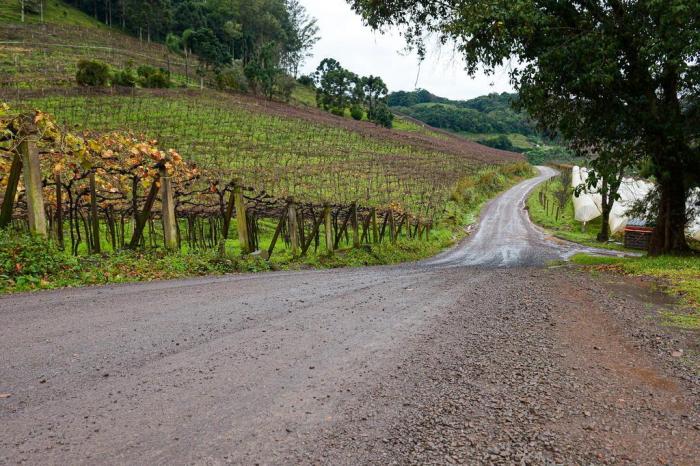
[(549, 369)]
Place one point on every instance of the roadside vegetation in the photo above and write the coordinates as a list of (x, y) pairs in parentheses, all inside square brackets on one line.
[(679, 276), (550, 205), (30, 262)]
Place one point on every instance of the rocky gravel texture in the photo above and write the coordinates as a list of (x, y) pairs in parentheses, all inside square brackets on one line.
[(553, 368), (452, 360)]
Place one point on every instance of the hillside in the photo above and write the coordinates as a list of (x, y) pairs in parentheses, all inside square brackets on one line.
[(41, 55), (399, 184), (489, 120)]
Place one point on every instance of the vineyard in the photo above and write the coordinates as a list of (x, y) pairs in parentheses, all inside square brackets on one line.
[(40, 56), (217, 174), (301, 176)]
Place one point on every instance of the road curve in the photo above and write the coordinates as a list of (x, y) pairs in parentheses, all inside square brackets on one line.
[(230, 369)]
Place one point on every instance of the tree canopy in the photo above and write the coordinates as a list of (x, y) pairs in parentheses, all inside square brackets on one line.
[(599, 72), (219, 31)]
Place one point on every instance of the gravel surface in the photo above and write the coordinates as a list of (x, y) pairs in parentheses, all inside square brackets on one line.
[(475, 358)]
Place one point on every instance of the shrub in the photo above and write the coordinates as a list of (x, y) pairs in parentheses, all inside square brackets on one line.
[(499, 142), (232, 78), (284, 86), (383, 116), (27, 258), (126, 77), (93, 73), (306, 80), (357, 112), (153, 77)]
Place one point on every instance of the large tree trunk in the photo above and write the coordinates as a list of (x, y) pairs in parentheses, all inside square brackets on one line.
[(669, 233)]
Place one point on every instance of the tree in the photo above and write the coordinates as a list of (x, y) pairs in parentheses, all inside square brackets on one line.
[(262, 72), (595, 71), (375, 92), (335, 86), (304, 35)]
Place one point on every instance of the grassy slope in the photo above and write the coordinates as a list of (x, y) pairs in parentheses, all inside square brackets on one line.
[(55, 12), (37, 54), (236, 117)]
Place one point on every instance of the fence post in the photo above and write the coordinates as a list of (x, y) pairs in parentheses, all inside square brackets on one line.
[(59, 210), (96, 246), (32, 179), (392, 227), (167, 202), (11, 191), (292, 226), (355, 227), (375, 230), (241, 219), (328, 228)]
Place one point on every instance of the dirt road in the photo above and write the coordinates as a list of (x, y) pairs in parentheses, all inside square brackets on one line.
[(480, 355)]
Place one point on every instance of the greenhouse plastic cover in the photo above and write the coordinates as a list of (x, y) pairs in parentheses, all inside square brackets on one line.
[(585, 208), (588, 205)]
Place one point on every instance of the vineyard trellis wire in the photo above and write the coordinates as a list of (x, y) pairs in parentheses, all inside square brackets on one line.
[(112, 179)]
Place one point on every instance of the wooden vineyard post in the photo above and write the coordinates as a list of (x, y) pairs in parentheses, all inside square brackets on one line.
[(32, 180), (168, 211), (292, 226), (144, 215), (355, 227), (59, 210), (11, 191), (427, 231), (241, 219), (392, 227), (95, 220), (328, 225), (375, 230)]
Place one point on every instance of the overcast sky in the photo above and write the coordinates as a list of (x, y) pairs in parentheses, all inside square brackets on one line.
[(365, 52)]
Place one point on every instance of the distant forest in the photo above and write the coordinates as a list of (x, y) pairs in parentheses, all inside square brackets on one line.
[(218, 31), (490, 114)]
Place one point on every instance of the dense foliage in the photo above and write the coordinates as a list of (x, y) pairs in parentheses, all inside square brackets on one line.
[(218, 31), (339, 89), (618, 77), (491, 113)]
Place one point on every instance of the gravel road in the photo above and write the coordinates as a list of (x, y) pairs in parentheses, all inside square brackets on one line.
[(480, 355)]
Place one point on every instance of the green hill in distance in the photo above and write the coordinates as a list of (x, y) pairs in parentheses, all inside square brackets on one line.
[(490, 120)]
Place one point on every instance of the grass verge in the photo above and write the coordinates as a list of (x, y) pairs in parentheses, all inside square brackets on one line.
[(30, 263), (546, 212)]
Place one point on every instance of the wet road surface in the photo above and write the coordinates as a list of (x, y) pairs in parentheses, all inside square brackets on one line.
[(265, 368)]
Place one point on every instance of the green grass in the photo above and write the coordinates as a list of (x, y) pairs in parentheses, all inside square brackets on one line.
[(679, 276), (55, 12), (519, 141), (560, 221), (28, 263), (304, 95), (270, 152)]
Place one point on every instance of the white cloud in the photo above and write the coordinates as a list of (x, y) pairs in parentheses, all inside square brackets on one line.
[(363, 51)]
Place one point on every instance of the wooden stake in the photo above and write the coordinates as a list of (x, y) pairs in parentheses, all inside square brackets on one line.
[(32, 184), (292, 226), (328, 228), (241, 219), (375, 230), (355, 227), (168, 211), (96, 246), (11, 191)]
